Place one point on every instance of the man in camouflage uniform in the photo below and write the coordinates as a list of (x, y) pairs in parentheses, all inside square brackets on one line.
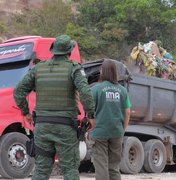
[(56, 82)]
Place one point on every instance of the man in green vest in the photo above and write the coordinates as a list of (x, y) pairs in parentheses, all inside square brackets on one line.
[(56, 83)]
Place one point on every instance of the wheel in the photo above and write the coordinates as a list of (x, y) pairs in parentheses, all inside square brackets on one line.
[(132, 156), (155, 156), (14, 161)]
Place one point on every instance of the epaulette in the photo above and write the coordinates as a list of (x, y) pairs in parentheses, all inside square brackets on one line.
[(75, 63)]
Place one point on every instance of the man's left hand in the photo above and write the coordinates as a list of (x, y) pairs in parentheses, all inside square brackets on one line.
[(29, 118)]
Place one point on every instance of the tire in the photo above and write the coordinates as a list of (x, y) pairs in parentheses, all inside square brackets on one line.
[(155, 156), (14, 161), (132, 156)]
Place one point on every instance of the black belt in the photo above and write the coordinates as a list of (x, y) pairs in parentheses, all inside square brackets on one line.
[(54, 120)]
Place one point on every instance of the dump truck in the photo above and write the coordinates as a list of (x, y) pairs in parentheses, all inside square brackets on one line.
[(150, 139)]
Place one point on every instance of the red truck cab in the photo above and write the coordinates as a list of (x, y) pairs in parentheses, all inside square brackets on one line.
[(17, 57)]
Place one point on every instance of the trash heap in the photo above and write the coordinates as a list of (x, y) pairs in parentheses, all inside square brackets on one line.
[(154, 60)]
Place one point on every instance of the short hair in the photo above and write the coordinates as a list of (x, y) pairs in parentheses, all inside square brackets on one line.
[(109, 71)]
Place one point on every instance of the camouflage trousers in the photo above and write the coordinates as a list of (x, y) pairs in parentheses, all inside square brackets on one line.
[(106, 157), (63, 140)]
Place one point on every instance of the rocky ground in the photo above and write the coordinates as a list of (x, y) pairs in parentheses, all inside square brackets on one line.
[(168, 174)]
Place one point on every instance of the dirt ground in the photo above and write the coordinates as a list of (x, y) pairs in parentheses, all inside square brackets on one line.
[(161, 176), (142, 176)]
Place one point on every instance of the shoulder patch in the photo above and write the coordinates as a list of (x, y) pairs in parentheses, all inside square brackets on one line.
[(83, 72)]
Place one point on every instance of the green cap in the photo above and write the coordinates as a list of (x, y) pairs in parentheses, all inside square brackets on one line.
[(62, 45)]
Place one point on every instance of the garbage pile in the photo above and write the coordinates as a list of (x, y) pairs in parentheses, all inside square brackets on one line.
[(154, 60)]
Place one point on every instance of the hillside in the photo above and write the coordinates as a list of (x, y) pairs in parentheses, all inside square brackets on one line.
[(10, 7), (13, 6)]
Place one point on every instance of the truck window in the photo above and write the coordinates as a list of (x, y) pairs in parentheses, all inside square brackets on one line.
[(12, 73), (14, 63), (17, 52)]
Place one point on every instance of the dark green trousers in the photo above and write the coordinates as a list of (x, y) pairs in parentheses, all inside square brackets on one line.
[(63, 140), (106, 156)]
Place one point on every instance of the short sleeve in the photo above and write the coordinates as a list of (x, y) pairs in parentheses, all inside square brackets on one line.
[(127, 103)]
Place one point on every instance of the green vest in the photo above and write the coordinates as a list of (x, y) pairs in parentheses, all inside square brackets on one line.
[(55, 90)]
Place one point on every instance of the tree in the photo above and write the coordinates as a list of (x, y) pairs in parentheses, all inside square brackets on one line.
[(98, 17), (87, 44), (126, 22), (103, 28), (147, 19)]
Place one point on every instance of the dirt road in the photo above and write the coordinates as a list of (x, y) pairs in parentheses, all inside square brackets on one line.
[(161, 176), (87, 176)]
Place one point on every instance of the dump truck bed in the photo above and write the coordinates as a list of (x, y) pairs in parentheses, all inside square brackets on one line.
[(153, 100)]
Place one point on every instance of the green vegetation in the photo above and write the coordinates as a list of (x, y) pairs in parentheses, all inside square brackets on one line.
[(3, 27), (103, 28), (49, 20), (120, 24)]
